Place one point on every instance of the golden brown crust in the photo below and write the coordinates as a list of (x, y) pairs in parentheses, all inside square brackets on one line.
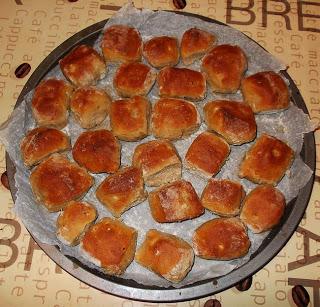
[(129, 118), (161, 51), (83, 66), (50, 103), (221, 239), (56, 181), (266, 161), (121, 43), (166, 255), (173, 119), (181, 83), (175, 202), (40, 143), (265, 92), (223, 197), (122, 190), (224, 66), (110, 244), (74, 220), (98, 151), (159, 162), (263, 208), (233, 120), (133, 79), (207, 154), (194, 44), (90, 106)]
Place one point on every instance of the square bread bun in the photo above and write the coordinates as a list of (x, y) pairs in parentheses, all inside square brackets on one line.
[(50, 103), (175, 202), (56, 181), (110, 245), (166, 255), (122, 190), (83, 66), (40, 143), (159, 162)]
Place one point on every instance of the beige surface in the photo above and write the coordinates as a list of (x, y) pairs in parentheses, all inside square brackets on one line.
[(29, 31)]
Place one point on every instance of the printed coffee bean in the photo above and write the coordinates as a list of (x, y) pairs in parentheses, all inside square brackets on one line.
[(22, 70), (179, 4), (245, 284), (212, 303), (300, 296), (4, 180)]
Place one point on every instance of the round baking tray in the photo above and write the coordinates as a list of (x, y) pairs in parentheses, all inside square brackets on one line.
[(133, 290)]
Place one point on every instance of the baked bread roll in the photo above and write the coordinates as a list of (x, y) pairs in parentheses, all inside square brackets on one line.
[(181, 83), (266, 161), (265, 92), (50, 103), (194, 44), (224, 66), (207, 154), (122, 190), (56, 181), (98, 151), (40, 143), (129, 118), (159, 162), (110, 244), (221, 239), (74, 221), (83, 66), (166, 255), (233, 120), (175, 202), (121, 43), (132, 79), (263, 208), (161, 51), (90, 106), (223, 197), (173, 119)]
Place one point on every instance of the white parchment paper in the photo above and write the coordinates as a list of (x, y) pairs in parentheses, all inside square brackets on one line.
[(289, 126)]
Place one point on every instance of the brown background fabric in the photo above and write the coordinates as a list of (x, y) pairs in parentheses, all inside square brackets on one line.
[(31, 29)]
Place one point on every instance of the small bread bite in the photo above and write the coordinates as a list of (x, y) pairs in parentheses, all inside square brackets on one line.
[(221, 239), (233, 120), (223, 197), (181, 83), (224, 66), (133, 79), (56, 181), (266, 161), (98, 151), (90, 106), (174, 119), (194, 44), (265, 92), (166, 255), (122, 190), (83, 66), (110, 244), (129, 118), (121, 43), (50, 103), (207, 154), (263, 208), (161, 51), (74, 221), (175, 202), (41, 142), (159, 161)]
